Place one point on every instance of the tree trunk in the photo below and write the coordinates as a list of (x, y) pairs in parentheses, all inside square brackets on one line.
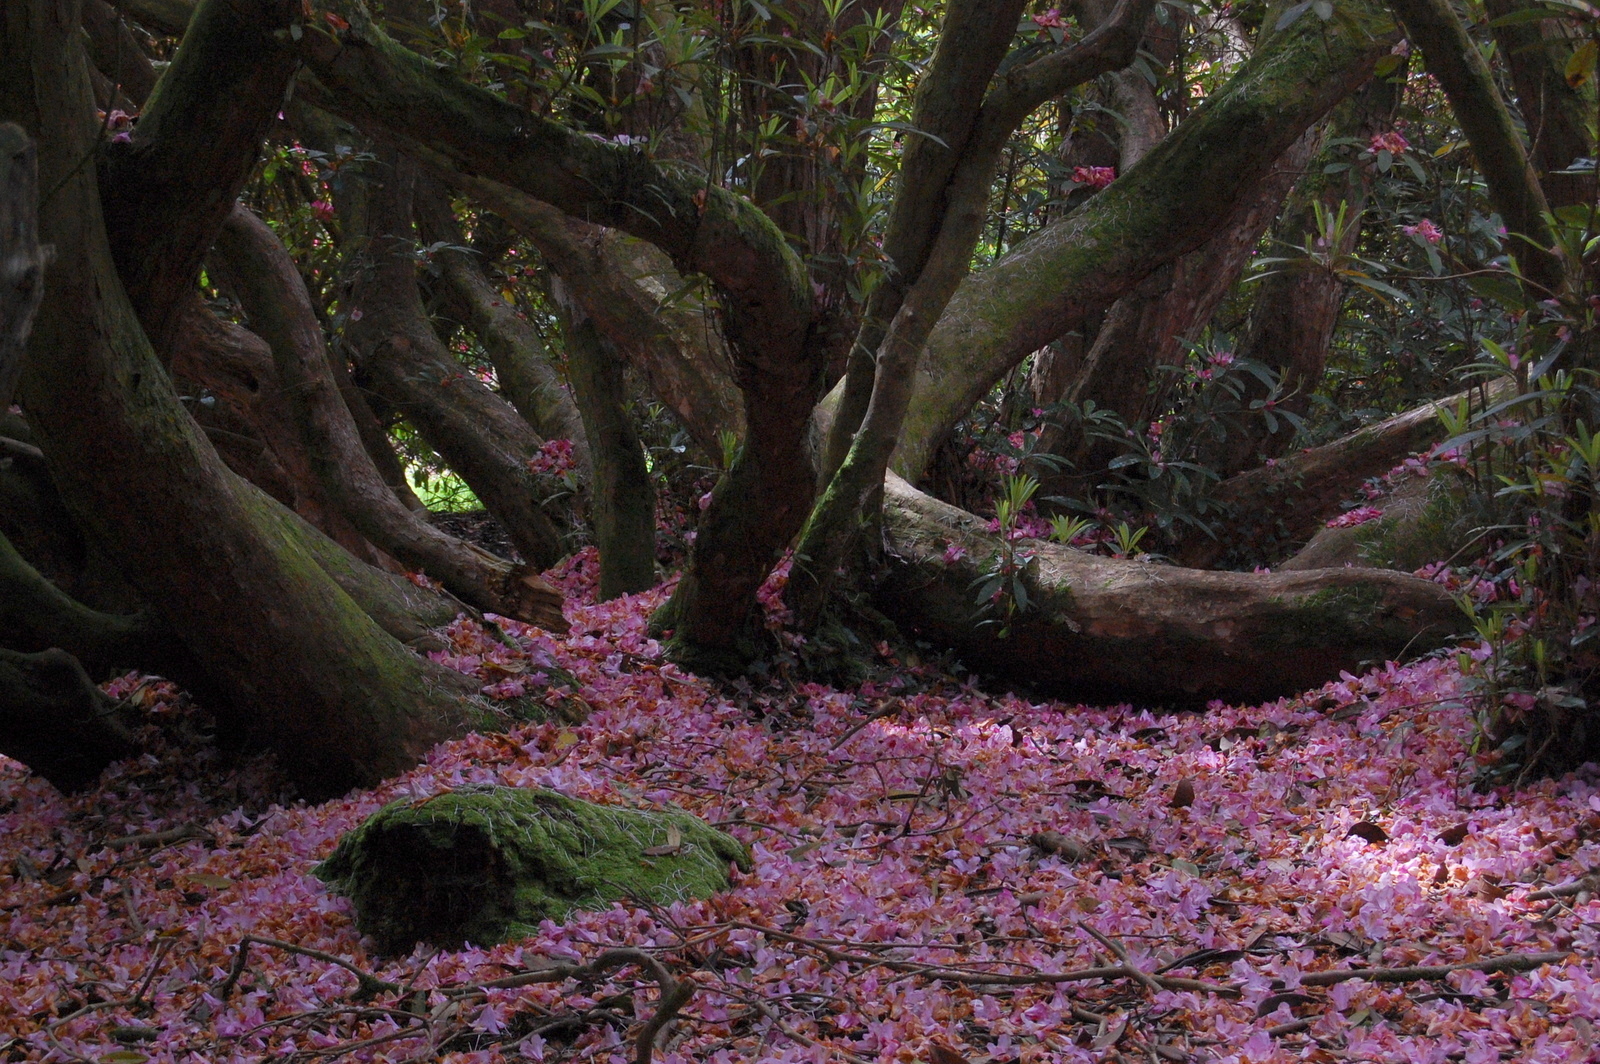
[(55, 721), (1556, 114), (273, 294), (1463, 73), (622, 498), (21, 259), (1294, 312), (521, 363), (1287, 500), (1101, 629), (1146, 329), (1170, 203), (400, 357), (308, 674)]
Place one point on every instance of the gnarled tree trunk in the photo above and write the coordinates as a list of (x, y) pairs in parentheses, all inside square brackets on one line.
[(1105, 629)]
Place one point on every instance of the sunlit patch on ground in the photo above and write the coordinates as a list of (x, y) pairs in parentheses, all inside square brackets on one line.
[(907, 904)]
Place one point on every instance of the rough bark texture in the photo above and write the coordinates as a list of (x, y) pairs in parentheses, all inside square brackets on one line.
[(1287, 500), (622, 498), (1555, 113), (170, 187), (636, 298), (400, 357), (1294, 312), (934, 225), (1101, 629), (274, 296), (21, 260), (765, 296), (306, 671), (1170, 203), (1146, 329), (116, 52), (522, 366)]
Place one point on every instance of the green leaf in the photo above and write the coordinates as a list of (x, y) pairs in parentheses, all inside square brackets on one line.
[(1580, 67)]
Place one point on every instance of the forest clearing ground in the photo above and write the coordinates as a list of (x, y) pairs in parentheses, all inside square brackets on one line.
[(901, 867)]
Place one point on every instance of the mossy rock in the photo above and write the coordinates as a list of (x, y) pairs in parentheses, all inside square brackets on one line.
[(487, 864)]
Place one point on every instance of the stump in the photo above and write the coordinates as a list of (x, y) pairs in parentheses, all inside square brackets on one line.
[(486, 865)]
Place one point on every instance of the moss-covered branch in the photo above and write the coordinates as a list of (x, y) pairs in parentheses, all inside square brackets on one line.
[(1107, 629), (1168, 204)]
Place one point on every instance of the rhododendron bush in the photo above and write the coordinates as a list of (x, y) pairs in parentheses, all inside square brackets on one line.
[(941, 874)]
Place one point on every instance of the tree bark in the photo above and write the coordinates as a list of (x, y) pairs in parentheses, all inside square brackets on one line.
[(308, 674), (400, 357), (172, 184), (1170, 203), (522, 365), (55, 721), (934, 224), (21, 259), (1555, 113), (1287, 500), (1101, 629), (1294, 312), (641, 304), (622, 498), (455, 128), (274, 296)]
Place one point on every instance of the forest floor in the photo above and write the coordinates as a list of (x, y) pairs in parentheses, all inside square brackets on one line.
[(941, 876)]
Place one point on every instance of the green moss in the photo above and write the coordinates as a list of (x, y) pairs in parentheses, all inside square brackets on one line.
[(486, 865)]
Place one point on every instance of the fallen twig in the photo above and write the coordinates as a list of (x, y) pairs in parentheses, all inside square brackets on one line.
[(368, 985), (160, 838), (972, 978), (1511, 962), (1568, 890)]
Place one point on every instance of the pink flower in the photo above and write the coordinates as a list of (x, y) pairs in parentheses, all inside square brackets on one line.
[(322, 210), (1359, 516), (1424, 229), (1050, 20), (1096, 177), (953, 553), (1391, 142)]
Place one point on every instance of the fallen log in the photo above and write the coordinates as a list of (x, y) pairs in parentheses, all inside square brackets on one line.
[(1105, 629)]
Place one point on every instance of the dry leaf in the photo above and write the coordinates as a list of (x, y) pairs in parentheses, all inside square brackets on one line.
[(1062, 846), (672, 845), (1454, 836), (942, 1054), (1369, 831), (1183, 794)]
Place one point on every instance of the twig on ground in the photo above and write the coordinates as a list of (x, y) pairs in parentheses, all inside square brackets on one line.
[(368, 986), (1510, 962)]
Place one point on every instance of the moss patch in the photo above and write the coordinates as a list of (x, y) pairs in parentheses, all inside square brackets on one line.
[(485, 865)]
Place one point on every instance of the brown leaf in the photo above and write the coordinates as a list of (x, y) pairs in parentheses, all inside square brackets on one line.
[(942, 1054), (1454, 836), (671, 846), (1369, 831), (1183, 794), (1062, 846)]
